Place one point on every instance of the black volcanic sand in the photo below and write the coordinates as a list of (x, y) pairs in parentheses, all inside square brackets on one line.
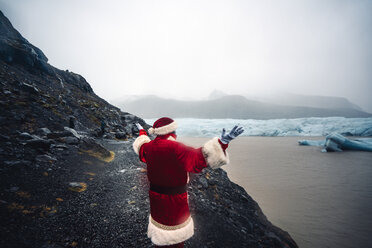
[(39, 207)]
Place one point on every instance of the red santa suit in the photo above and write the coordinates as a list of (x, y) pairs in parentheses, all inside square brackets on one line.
[(168, 164)]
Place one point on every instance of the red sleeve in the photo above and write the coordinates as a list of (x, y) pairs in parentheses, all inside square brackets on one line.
[(224, 146), (191, 159)]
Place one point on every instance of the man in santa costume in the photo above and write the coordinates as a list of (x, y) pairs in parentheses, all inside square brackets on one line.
[(168, 164)]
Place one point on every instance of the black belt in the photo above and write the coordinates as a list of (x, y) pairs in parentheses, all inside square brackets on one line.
[(168, 190)]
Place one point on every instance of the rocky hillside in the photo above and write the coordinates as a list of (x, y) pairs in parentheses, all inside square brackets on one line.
[(35, 94), (69, 176)]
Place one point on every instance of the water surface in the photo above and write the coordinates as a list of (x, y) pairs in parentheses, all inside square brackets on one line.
[(321, 199)]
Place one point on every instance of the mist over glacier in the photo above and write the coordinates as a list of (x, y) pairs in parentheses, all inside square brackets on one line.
[(192, 127)]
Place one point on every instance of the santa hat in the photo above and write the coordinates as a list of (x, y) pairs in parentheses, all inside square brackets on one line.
[(163, 126)]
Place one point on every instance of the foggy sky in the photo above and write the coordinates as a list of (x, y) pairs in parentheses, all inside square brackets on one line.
[(186, 49)]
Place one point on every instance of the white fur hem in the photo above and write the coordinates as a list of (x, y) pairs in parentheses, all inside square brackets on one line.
[(214, 154), (161, 237), (142, 139), (164, 129)]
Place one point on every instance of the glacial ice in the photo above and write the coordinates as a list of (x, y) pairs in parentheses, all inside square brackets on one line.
[(336, 143), (315, 126)]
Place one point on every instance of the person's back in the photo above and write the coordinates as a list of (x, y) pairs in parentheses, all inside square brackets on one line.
[(163, 169)]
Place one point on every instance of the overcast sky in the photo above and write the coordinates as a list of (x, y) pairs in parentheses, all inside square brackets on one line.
[(186, 49)]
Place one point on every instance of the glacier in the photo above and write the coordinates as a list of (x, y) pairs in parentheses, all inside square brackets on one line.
[(314, 126)]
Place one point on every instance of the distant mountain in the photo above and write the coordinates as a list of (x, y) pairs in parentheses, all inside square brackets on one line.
[(230, 106), (216, 94), (313, 101)]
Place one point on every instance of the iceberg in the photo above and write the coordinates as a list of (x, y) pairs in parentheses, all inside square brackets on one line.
[(336, 143), (315, 126)]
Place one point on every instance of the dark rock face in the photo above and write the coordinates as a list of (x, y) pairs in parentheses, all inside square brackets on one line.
[(57, 188), (39, 143), (16, 49), (26, 136), (89, 144), (120, 135), (34, 94)]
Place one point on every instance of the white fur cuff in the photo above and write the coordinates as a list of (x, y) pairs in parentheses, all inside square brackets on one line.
[(142, 139), (214, 154), (164, 129), (161, 236)]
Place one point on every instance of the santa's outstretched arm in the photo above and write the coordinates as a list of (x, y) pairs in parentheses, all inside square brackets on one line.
[(213, 153), (214, 150)]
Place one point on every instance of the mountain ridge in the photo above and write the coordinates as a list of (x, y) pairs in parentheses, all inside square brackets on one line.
[(228, 106), (317, 101)]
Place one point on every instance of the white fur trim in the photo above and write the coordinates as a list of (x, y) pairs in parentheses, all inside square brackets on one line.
[(151, 130), (214, 154), (142, 139), (160, 236), (164, 129), (171, 138)]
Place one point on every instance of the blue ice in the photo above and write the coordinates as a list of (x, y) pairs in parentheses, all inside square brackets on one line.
[(336, 143)]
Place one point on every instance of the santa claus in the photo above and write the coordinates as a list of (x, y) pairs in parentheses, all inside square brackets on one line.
[(168, 164)]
